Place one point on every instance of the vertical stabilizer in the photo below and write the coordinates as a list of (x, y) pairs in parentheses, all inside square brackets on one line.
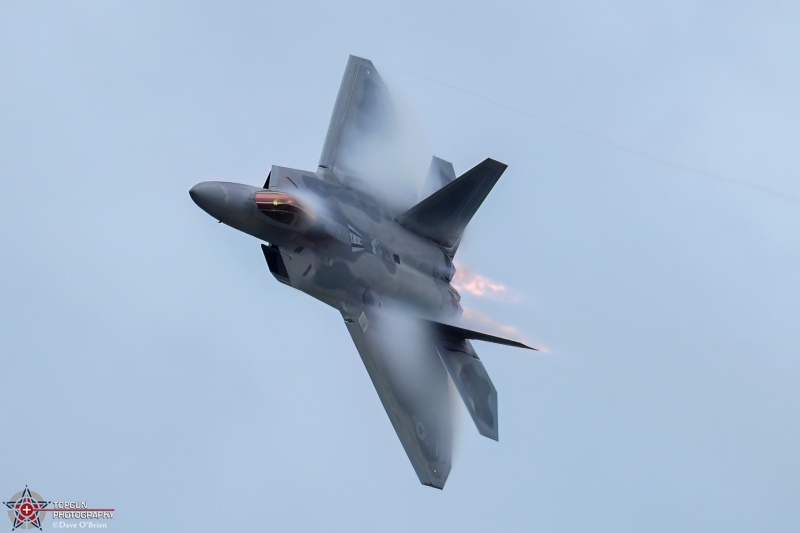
[(440, 174), (443, 215)]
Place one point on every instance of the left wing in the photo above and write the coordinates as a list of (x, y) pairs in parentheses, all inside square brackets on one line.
[(413, 387), (367, 148), (363, 110)]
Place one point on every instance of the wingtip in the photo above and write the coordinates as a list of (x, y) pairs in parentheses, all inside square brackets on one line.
[(494, 162), (360, 61), (518, 344), (490, 433)]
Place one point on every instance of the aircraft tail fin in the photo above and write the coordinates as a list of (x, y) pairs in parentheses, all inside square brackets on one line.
[(440, 174), (443, 215)]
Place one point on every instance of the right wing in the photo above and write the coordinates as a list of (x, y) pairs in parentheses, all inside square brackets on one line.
[(413, 386)]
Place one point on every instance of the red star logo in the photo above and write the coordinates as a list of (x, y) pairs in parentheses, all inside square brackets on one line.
[(26, 510)]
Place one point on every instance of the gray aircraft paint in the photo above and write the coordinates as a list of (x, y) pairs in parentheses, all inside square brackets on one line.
[(341, 240)]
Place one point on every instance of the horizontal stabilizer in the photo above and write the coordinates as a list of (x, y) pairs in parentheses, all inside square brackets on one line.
[(443, 215), (472, 382), (462, 332)]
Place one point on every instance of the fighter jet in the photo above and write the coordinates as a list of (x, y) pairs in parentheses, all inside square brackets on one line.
[(385, 266)]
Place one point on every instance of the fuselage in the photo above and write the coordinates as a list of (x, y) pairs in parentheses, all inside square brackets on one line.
[(337, 244)]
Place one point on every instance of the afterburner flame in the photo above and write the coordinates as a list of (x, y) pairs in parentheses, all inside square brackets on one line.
[(465, 280), (487, 323)]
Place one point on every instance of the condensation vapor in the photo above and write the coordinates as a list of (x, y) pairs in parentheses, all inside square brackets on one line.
[(405, 349), (406, 343), (387, 152)]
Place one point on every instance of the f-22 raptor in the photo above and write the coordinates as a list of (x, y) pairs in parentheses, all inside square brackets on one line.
[(333, 235)]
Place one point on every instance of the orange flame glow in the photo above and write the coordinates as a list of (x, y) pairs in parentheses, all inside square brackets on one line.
[(488, 324), (465, 280)]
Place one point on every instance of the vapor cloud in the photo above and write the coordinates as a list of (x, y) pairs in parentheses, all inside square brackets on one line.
[(385, 149)]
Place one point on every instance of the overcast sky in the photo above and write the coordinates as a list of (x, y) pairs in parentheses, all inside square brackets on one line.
[(151, 363)]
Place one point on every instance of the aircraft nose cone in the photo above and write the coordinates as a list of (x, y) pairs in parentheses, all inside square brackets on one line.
[(202, 192), (231, 203), (209, 197)]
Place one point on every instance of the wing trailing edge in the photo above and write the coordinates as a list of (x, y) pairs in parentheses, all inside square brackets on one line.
[(443, 215)]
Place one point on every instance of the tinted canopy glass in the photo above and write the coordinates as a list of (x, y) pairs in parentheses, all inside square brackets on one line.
[(280, 207)]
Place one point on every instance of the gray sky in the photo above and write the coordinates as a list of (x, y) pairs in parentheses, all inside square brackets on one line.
[(152, 364)]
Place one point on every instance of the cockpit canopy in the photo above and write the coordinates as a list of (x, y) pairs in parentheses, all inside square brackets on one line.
[(281, 208)]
